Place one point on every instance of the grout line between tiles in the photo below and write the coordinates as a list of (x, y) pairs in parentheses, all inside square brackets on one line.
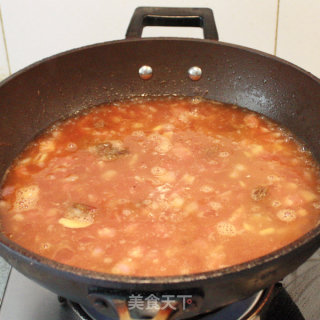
[(277, 28), (5, 42), (5, 287)]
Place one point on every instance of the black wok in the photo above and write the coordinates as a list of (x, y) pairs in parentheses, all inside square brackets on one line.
[(57, 87)]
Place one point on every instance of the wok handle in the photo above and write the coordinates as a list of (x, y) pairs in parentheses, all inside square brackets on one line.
[(172, 17)]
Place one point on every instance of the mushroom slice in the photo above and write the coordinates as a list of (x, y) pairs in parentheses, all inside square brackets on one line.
[(78, 216), (110, 150), (259, 193)]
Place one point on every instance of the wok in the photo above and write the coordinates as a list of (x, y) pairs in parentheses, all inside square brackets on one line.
[(57, 87)]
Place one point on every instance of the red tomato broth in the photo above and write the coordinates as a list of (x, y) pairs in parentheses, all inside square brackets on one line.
[(155, 187)]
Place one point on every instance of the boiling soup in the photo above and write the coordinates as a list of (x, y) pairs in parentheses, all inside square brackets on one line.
[(157, 187)]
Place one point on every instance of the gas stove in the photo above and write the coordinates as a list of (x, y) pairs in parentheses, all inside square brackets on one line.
[(296, 298)]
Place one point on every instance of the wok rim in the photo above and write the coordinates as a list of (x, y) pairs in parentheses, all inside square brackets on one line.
[(88, 275)]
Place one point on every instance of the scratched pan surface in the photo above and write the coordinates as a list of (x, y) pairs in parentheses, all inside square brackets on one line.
[(59, 86)]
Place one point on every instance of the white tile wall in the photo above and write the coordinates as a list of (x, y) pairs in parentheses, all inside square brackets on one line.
[(36, 29), (299, 33), (40, 28), (4, 67)]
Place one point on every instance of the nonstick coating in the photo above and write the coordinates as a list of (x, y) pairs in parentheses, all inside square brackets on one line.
[(58, 87)]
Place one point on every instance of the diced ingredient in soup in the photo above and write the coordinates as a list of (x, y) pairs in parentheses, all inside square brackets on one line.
[(78, 216), (157, 187), (26, 198)]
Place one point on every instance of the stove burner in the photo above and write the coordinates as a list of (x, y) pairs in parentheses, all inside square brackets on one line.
[(82, 313), (247, 309)]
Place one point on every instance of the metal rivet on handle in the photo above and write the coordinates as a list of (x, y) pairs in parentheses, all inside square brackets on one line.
[(195, 73), (145, 72)]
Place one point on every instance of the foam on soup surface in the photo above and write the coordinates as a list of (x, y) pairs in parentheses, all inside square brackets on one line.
[(160, 187)]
